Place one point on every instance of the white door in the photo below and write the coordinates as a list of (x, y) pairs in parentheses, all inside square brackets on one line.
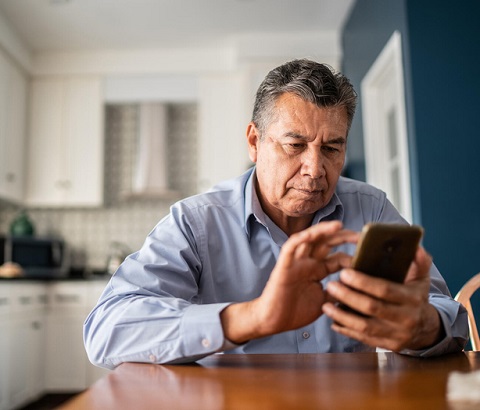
[(385, 129)]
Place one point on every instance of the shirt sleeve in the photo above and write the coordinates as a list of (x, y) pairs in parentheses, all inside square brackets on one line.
[(151, 310)]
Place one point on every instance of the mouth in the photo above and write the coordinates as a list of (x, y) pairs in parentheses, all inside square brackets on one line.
[(310, 192)]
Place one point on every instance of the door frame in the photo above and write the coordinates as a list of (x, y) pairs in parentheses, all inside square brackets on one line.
[(385, 72)]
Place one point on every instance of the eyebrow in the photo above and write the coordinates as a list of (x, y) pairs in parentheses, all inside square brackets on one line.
[(335, 141)]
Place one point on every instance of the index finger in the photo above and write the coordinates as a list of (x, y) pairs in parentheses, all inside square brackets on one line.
[(316, 240), (319, 244)]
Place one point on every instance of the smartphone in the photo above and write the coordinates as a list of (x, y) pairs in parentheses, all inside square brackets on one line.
[(387, 250)]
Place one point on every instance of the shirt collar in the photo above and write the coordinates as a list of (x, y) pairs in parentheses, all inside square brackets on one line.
[(250, 194)]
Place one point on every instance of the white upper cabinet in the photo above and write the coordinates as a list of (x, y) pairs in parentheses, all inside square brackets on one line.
[(13, 108), (65, 149)]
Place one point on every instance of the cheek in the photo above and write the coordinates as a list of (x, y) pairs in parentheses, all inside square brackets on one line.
[(334, 169), (276, 176), (277, 170)]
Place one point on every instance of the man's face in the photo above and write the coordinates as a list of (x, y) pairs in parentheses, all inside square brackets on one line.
[(299, 160)]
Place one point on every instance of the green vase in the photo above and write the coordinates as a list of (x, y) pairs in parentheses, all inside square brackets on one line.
[(22, 225)]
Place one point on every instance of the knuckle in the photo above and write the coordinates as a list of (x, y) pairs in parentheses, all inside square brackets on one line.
[(374, 307), (398, 345), (418, 299), (364, 327), (384, 289), (400, 342)]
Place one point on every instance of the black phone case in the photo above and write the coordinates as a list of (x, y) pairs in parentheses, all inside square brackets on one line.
[(387, 250)]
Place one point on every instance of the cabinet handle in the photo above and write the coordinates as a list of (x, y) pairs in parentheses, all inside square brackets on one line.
[(66, 298), (36, 325), (43, 299), (63, 184), (10, 177), (3, 301), (25, 300)]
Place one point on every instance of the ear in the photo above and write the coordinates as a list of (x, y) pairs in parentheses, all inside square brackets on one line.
[(253, 139)]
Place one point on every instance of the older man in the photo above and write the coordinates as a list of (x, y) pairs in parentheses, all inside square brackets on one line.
[(258, 264)]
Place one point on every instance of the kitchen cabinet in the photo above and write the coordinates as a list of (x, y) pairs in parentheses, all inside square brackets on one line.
[(68, 367), (25, 337), (94, 373), (13, 109), (41, 340), (222, 150), (65, 147), (5, 307)]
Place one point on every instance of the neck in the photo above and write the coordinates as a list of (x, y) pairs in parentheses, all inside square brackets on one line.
[(291, 225)]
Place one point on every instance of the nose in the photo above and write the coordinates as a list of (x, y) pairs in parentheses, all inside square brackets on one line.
[(313, 164)]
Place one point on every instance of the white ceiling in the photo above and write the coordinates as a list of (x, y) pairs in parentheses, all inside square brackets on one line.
[(74, 25)]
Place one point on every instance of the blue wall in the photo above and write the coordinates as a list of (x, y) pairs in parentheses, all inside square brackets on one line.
[(442, 85)]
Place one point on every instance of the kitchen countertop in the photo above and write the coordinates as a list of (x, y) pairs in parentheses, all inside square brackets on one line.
[(89, 278)]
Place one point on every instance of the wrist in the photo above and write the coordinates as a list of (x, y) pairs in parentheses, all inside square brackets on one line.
[(239, 322), (432, 331)]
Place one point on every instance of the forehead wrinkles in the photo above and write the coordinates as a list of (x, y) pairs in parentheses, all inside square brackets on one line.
[(305, 118)]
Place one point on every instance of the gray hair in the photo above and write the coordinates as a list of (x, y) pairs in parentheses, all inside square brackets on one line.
[(309, 80)]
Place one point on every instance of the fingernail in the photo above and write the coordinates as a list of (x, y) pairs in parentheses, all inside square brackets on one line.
[(332, 287), (327, 308), (345, 274)]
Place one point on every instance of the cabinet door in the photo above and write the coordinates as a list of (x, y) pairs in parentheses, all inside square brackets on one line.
[(26, 339), (4, 357), (66, 143), (37, 343), (19, 363), (4, 74), (13, 97), (94, 373), (66, 368), (5, 303), (44, 177), (84, 142), (220, 109)]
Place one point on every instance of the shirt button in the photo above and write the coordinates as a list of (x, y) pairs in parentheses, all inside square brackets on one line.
[(152, 358), (205, 343), (305, 335)]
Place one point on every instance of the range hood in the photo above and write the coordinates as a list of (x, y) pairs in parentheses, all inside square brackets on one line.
[(150, 174)]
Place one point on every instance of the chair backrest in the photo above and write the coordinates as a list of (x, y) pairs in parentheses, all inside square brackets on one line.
[(464, 296)]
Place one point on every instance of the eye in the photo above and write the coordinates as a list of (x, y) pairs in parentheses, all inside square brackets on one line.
[(294, 147), (329, 149)]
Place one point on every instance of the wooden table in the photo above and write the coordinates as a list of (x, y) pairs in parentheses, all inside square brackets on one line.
[(292, 381)]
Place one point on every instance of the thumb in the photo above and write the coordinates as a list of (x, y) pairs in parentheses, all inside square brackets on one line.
[(420, 266)]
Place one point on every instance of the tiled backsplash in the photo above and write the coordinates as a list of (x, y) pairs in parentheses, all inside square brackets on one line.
[(89, 232)]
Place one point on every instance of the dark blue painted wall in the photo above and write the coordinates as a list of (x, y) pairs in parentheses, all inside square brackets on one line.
[(445, 55), (441, 46)]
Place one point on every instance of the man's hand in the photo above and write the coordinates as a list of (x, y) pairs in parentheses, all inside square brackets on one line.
[(293, 296), (398, 316)]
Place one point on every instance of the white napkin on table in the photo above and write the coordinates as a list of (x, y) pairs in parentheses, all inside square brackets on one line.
[(464, 387)]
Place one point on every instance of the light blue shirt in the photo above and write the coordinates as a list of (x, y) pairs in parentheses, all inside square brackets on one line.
[(163, 303)]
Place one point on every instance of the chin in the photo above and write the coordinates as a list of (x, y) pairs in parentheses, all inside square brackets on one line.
[(306, 209)]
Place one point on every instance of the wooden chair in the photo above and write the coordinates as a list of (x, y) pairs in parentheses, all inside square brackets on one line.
[(464, 296)]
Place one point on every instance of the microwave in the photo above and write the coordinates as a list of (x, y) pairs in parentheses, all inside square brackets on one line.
[(39, 257)]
